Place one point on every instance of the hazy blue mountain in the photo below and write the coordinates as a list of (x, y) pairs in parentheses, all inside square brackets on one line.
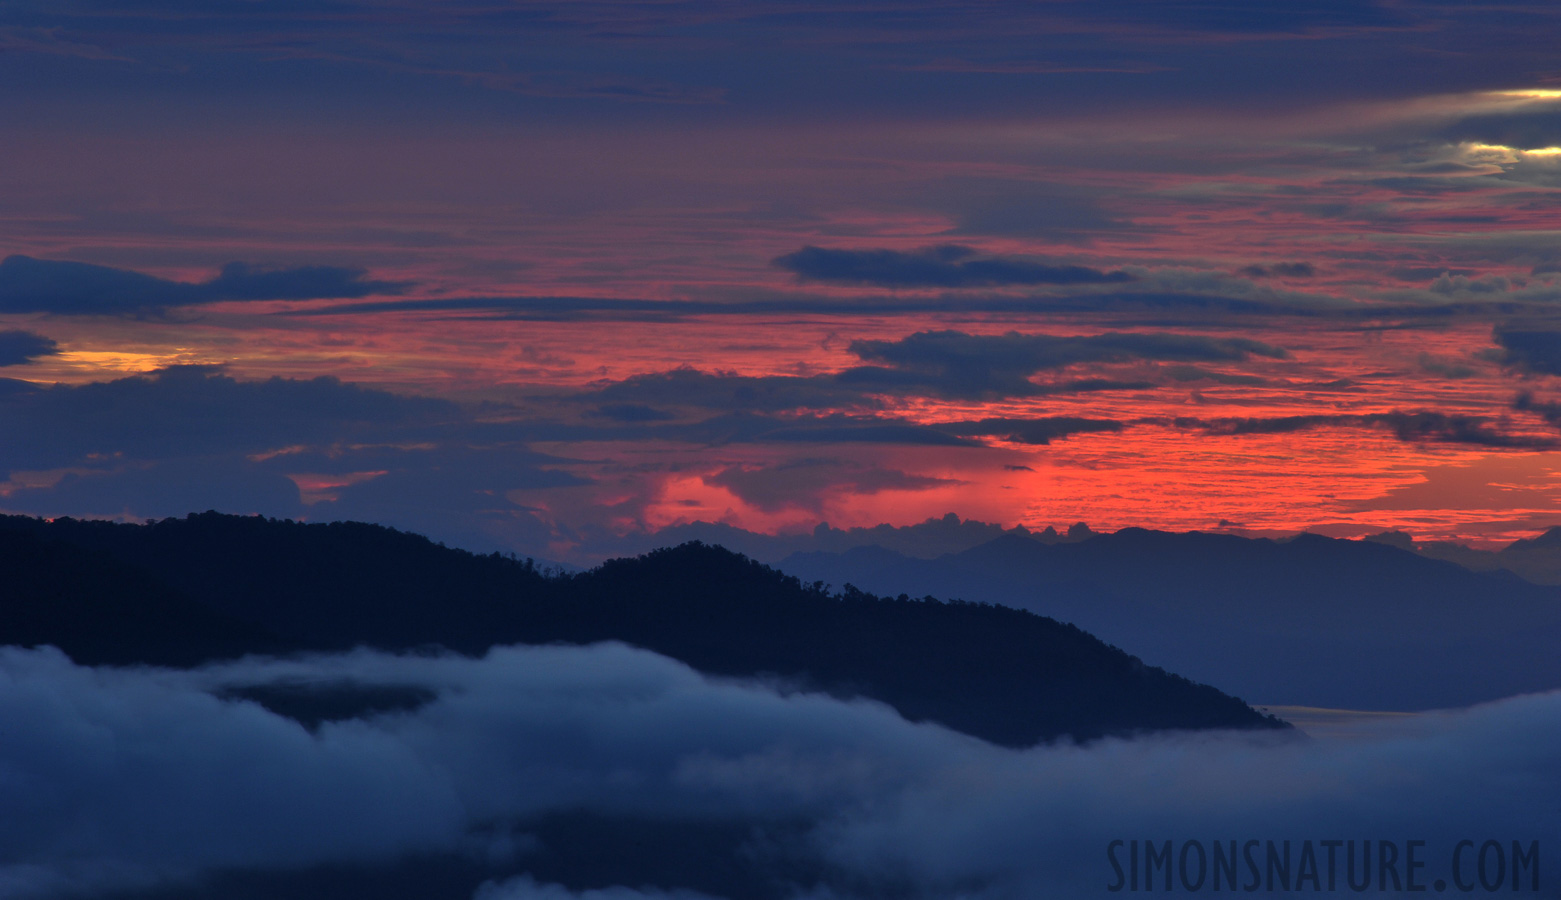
[(927, 539), (1308, 621), (1536, 559)]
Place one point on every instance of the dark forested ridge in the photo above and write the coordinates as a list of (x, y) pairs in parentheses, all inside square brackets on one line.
[(321, 586), (213, 586), (105, 611)]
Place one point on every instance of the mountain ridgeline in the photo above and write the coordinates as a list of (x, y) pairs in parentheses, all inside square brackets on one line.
[(1309, 621), (209, 586)]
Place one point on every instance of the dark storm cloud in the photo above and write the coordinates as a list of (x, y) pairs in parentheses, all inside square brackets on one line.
[(18, 347), (630, 412), (192, 438), (686, 386), (995, 207), (1089, 385), (933, 364), (160, 489), (1436, 427), (855, 387), (947, 265), (452, 491), (241, 281), (196, 410), (1410, 427), (1031, 431), (451, 478), (1166, 295), (1536, 350), (126, 779), (1035, 352), (30, 285), (1549, 410), (1281, 270)]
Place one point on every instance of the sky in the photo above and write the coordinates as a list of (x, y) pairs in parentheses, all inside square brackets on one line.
[(536, 276)]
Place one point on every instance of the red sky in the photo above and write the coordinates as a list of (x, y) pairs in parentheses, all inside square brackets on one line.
[(1336, 228)]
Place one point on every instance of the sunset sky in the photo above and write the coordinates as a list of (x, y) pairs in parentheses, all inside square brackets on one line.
[(535, 276)]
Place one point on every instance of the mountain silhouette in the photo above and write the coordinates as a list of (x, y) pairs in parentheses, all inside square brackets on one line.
[(106, 612), (216, 586), (1536, 559), (1310, 621)]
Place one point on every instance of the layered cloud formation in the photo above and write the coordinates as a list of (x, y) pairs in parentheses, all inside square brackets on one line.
[(1030, 263), (30, 285), (18, 347), (948, 265), (925, 415), (569, 279), (148, 779)]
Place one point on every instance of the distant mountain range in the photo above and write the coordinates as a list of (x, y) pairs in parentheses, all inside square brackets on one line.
[(1536, 559), (1309, 621), (182, 591), (925, 540)]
